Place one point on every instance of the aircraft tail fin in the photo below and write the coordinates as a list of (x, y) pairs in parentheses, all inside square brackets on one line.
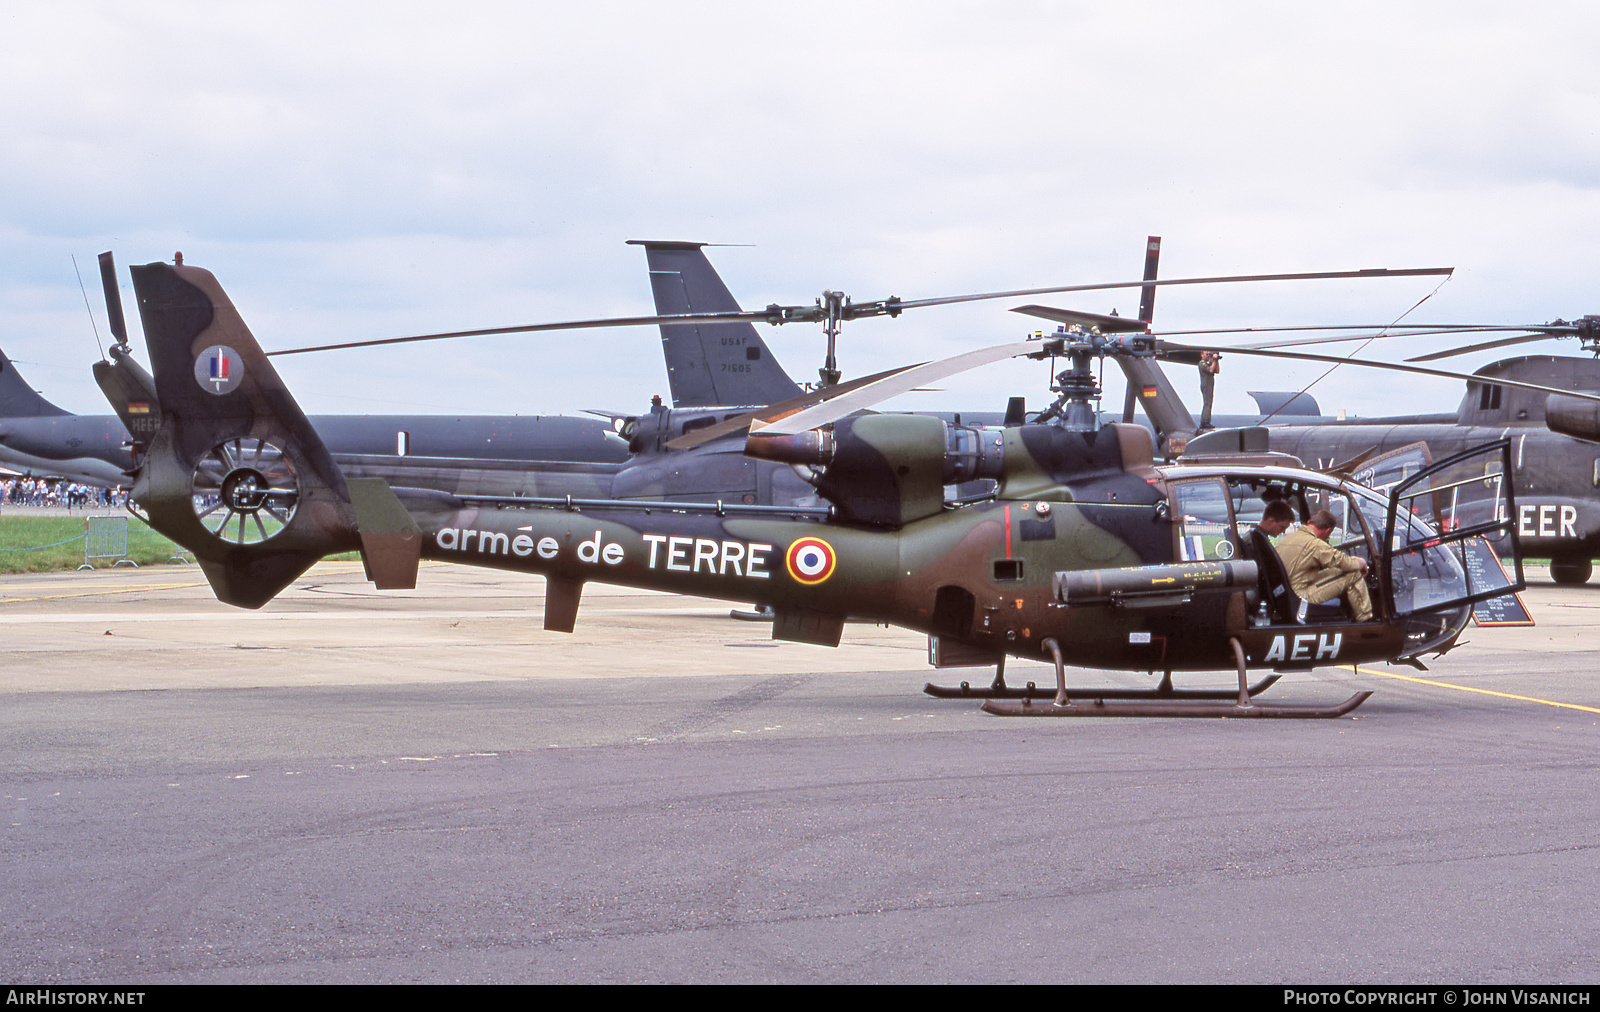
[(18, 399), (709, 365), (1160, 401), (1285, 402), (232, 470)]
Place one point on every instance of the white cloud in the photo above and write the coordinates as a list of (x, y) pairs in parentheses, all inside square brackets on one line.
[(371, 170)]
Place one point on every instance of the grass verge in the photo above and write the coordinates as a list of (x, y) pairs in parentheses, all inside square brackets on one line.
[(31, 544), (34, 544)]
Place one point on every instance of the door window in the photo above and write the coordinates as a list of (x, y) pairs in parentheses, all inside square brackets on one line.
[(1205, 523)]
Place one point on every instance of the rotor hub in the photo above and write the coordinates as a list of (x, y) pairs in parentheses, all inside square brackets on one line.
[(245, 490)]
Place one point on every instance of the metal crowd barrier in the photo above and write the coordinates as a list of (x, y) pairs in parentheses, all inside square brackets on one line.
[(105, 538)]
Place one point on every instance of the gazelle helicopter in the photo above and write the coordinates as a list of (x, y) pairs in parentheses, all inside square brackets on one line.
[(1087, 553)]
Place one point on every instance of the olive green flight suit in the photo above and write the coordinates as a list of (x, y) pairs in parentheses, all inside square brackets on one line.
[(1319, 572)]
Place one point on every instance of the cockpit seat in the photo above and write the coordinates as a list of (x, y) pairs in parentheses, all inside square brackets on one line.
[(1284, 606)]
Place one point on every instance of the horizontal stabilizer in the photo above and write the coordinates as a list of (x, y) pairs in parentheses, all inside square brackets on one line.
[(391, 542)]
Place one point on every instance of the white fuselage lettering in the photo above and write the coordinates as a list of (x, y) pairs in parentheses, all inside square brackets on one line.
[(1300, 647), (680, 554), (1547, 520)]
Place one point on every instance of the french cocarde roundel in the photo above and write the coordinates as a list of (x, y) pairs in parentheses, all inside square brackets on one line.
[(219, 369), (811, 560)]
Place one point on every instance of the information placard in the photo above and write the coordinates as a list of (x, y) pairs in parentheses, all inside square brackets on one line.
[(1484, 572)]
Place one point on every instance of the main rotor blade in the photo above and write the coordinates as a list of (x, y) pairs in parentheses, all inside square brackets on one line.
[(108, 281), (1379, 335), (773, 412), (1434, 328), (776, 315), (1165, 346), (1119, 325), (898, 382), (1371, 272), (1104, 324), (1484, 346), (619, 321), (1374, 331)]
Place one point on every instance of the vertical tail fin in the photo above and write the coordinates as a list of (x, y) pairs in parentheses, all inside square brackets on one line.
[(18, 399), (233, 470), (709, 365)]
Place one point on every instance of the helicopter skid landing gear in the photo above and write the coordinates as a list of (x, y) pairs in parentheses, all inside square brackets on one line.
[(1164, 691), (1156, 703)]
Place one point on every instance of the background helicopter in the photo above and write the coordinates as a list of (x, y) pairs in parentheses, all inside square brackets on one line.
[(1087, 547), (1542, 403)]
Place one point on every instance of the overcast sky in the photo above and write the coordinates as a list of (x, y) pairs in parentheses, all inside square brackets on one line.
[(369, 170)]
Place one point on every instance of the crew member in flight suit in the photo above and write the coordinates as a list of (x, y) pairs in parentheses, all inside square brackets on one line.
[(1210, 365), (1319, 572)]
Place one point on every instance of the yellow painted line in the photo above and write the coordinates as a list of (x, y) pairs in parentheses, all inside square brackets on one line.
[(97, 593), (1468, 688)]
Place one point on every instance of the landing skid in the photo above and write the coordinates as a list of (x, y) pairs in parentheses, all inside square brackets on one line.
[(1163, 692), (1163, 701), (1097, 708)]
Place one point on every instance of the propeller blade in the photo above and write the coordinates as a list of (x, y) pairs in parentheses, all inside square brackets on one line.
[(1164, 347), (108, 281)]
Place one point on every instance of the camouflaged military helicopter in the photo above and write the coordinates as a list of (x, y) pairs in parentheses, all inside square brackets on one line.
[(1088, 553)]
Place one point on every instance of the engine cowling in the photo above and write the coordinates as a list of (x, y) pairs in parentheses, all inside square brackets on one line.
[(1571, 416), (887, 470)]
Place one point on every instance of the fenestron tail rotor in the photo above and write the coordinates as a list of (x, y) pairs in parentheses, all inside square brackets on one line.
[(245, 491)]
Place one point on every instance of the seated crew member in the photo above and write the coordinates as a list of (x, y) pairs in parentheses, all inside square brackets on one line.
[(1275, 519), (1319, 572), (1257, 547)]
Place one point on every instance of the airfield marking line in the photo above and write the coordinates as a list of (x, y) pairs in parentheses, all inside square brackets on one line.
[(1468, 688), (97, 593)]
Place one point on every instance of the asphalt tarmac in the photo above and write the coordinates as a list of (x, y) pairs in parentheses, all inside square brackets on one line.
[(354, 786)]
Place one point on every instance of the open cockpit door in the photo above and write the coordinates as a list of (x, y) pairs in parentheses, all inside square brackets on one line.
[(1433, 558), (1383, 472)]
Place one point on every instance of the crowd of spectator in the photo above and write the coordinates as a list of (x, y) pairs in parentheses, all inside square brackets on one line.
[(58, 492)]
